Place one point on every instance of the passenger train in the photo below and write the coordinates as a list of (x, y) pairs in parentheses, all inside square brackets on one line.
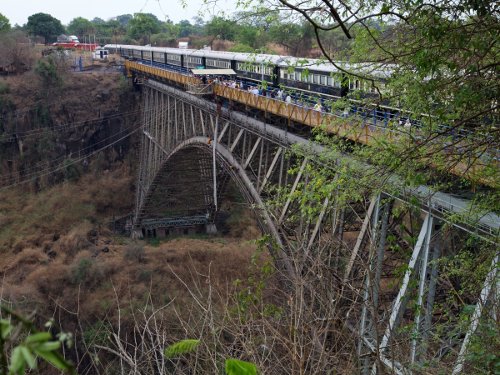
[(319, 81), (304, 74)]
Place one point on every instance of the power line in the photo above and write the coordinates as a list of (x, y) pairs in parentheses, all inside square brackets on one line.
[(65, 164), (11, 136), (144, 6), (161, 10), (36, 167)]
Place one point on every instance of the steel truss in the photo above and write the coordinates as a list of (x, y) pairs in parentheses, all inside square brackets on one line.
[(182, 135)]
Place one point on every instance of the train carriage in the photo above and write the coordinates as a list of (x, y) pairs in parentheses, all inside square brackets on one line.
[(307, 75)]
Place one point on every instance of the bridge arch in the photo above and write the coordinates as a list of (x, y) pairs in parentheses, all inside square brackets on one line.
[(225, 159), (177, 124)]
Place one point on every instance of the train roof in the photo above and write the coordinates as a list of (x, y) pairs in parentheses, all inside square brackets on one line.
[(315, 65)]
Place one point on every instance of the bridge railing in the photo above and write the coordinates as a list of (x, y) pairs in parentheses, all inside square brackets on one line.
[(357, 126), (161, 73)]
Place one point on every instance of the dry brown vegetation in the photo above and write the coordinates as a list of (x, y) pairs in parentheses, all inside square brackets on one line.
[(60, 259), (58, 228)]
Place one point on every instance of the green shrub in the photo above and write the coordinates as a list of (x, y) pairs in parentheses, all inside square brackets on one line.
[(81, 271), (4, 88), (46, 69)]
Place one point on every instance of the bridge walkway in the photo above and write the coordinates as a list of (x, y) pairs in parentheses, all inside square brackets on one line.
[(363, 127)]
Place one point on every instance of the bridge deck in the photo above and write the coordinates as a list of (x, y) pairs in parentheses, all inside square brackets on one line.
[(367, 130)]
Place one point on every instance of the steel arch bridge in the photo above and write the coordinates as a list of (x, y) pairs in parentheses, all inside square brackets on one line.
[(190, 149)]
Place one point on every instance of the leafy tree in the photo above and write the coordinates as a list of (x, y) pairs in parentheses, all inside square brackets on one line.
[(239, 47), (4, 23), (28, 345), (81, 26), (296, 38), (198, 26), (185, 28), (124, 19), (221, 28), (44, 25), (442, 59), (143, 25), (251, 36), (110, 29), (163, 39), (47, 71), (98, 21)]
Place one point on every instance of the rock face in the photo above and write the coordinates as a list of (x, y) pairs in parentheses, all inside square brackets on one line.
[(63, 128)]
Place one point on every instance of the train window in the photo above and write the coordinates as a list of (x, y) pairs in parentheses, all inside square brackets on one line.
[(174, 57), (195, 60), (330, 81), (316, 79), (158, 56), (323, 80)]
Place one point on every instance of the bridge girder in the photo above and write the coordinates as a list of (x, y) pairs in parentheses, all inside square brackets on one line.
[(255, 155)]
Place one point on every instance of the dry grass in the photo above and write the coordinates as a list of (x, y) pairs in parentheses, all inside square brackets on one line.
[(58, 257), (52, 253), (30, 219)]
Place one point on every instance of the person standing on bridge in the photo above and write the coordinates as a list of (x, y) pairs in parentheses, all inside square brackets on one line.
[(279, 94)]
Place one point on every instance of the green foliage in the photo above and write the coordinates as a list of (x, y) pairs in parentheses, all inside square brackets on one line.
[(296, 37), (185, 28), (4, 23), (81, 26), (27, 350), (71, 171), (143, 25), (4, 88), (81, 271), (181, 347), (47, 71), (124, 19), (232, 366), (163, 39), (154, 241), (221, 28), (97, 334), (239, 47), (238, 367), (44, 25), (483, 353)]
